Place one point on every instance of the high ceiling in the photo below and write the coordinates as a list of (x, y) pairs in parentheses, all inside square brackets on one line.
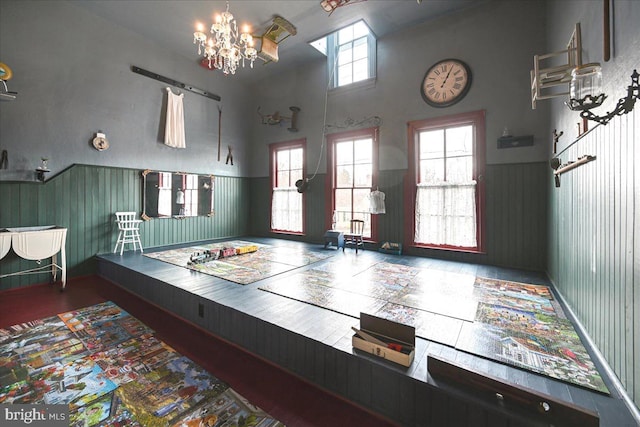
[(171, 23)]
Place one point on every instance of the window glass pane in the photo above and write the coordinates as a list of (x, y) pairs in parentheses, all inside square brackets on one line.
[(295, 175), (432, 144), (363, 150), (345, 55), (282, 159), (296, 158), (283, 178), (344, 176), (459, 169), (362, 176), (344, 153), (343, 200), (345, 35), (342, 209), (360, 49), (360, 29), (360, 202), (460, 141), (360, 70), (431, 171), (345, 75)]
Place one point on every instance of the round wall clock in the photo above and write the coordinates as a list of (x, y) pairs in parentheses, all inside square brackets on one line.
[(446, 82)]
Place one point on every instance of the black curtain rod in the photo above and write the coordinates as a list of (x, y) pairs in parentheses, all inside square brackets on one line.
[(174, 83)]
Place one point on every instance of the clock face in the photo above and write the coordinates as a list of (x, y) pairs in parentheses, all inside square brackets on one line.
[(446, 83)]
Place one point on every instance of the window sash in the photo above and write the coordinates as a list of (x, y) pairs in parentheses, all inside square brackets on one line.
[(355, 48), (446, 214), (352, 182), (287, 204), (286, 210)]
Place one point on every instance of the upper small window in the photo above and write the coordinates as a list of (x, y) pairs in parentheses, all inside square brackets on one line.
[(351, 54)]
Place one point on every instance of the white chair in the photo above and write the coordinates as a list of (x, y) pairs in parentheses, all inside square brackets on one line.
[(128, 230)]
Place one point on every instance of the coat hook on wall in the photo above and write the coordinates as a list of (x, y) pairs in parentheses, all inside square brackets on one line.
[(556, 137)]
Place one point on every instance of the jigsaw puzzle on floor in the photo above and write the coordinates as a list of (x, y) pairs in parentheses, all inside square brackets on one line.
[(243, 268), (514, 323), (112, 371)]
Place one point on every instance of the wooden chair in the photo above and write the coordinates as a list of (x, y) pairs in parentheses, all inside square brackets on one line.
[(354, 237), (128, 230)]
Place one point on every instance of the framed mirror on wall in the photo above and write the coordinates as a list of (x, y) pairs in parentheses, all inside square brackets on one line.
[(176, 194)]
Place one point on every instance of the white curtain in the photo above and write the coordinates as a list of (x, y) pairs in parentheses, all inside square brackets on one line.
[(286, 209), (446, 214)]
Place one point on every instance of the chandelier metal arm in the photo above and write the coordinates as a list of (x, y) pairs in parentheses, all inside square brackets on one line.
[(625, 105)]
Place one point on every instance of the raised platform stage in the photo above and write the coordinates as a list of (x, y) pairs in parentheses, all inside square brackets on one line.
[(315, 344)]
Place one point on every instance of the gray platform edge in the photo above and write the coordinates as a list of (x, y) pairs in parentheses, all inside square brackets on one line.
[(379, 386)]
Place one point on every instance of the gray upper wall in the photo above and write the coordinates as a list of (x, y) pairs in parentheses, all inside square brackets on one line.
[(496, 39), (616, 73), (72, 74), (73, 78)]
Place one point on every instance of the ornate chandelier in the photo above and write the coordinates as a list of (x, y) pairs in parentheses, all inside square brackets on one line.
[(226, 48)]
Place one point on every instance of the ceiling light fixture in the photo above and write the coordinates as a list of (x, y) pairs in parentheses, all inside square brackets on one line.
[(226, 48), (331, 5)]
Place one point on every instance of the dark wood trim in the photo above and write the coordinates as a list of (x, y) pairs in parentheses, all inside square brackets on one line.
[(539, 406)]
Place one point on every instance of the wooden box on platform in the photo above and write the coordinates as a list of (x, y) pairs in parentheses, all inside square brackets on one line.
[(386, 339)]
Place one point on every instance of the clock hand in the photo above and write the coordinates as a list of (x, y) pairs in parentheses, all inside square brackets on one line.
[(445, 79)]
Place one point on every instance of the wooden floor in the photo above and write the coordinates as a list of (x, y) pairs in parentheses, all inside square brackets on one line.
[(310, 342), (286, 397)]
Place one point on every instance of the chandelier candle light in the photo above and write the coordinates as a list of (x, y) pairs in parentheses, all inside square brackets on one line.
[(226, 47)]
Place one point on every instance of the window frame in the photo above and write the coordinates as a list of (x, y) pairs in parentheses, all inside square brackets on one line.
[(334, 138), (331, 51), (274, 148), (477, 120)]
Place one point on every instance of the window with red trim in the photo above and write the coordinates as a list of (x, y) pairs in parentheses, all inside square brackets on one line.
[(447, 163), (287, 161), (353, 170)]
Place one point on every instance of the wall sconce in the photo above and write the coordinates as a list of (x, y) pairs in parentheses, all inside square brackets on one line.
[(586, 93), (42, 169)]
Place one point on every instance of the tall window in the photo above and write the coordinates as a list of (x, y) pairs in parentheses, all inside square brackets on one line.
[(351, 54), (448, 168), (287, 204), (353, 169)]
